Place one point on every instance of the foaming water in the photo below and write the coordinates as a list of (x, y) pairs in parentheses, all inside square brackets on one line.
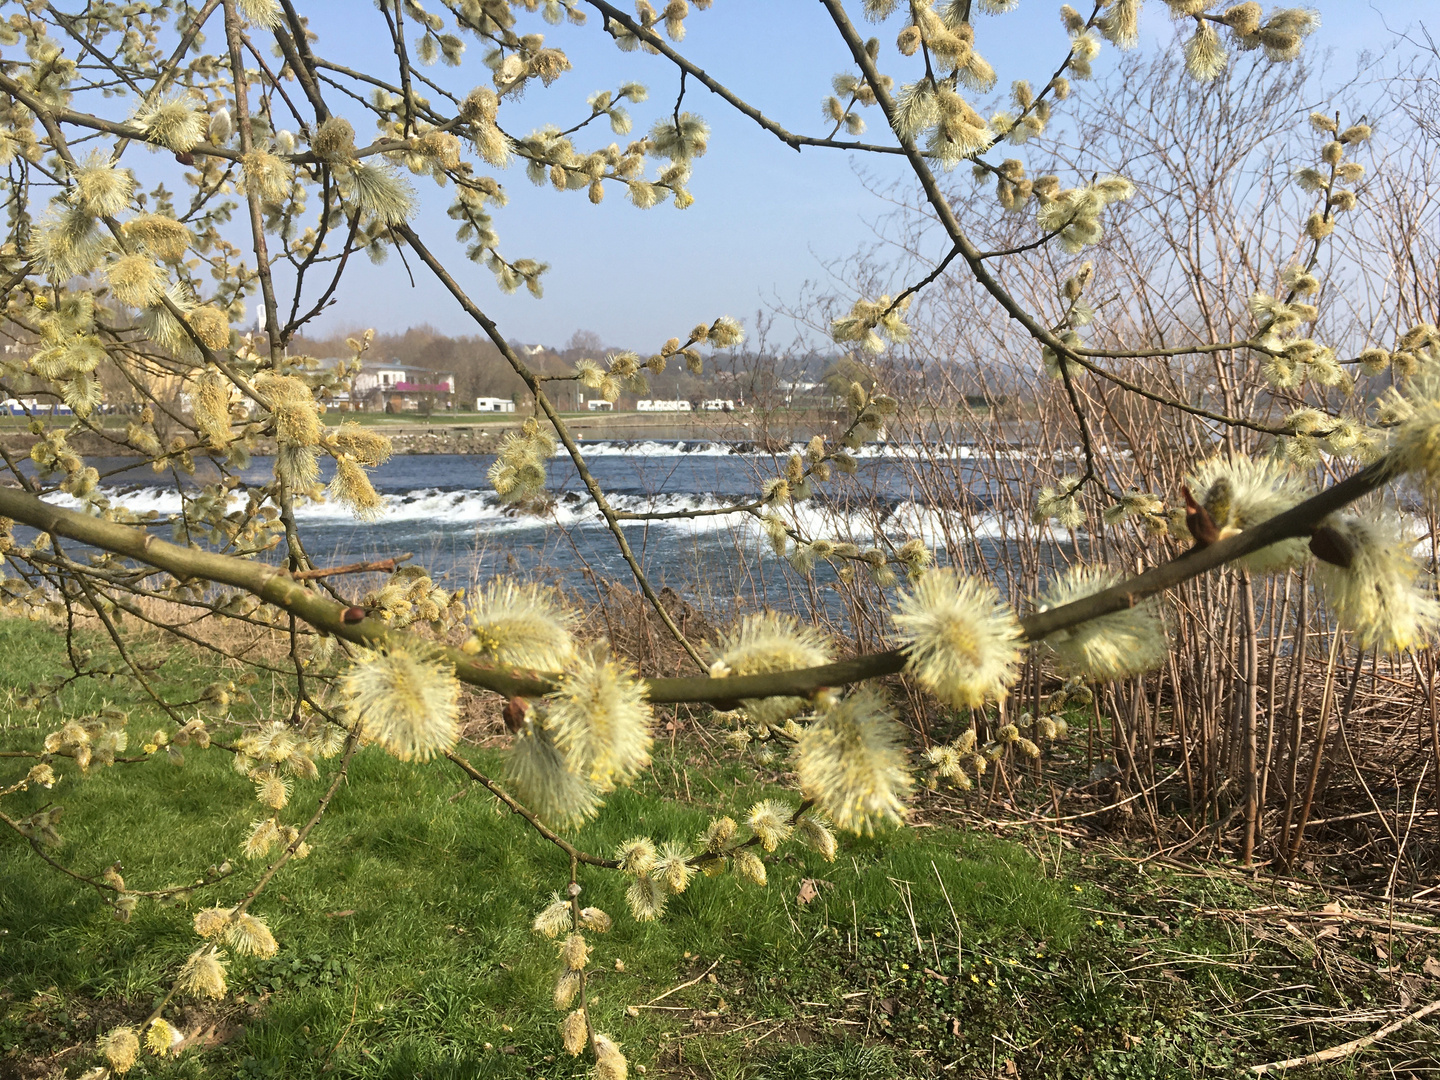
[(439, 508)]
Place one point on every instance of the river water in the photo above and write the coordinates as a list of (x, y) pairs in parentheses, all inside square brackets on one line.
[(440, 509)]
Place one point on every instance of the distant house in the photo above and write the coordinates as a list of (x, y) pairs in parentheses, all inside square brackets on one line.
[(718, 405), (600, 405), (396, 387), (494, 404), (662, 405)]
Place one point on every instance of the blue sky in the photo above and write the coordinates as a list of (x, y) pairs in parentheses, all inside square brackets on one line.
[(765, 218)]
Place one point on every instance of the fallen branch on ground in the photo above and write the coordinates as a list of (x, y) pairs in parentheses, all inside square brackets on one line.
[(1335, 1053)]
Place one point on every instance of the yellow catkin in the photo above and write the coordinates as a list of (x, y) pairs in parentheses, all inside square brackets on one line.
[(574, 1032), (121, 1047), (211, 326)]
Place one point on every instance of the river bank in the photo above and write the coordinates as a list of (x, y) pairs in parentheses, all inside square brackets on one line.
[(474, 433)]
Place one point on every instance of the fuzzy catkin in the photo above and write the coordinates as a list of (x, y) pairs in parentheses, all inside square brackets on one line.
[(851, 763), (962, 641), (406, 699)]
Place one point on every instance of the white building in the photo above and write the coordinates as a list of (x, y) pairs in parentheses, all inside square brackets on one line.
[(494, 404), (396, 387), (662, 405)]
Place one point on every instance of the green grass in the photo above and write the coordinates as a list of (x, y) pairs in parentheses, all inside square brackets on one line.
[(406, 949), (435, 958)]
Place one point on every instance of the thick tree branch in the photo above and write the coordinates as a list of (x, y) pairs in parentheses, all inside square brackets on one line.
[(276, 587)]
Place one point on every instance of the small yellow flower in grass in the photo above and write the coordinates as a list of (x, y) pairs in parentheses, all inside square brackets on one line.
[(542, 779), (770, 642), (203, 975), (249, 936), (673, 868), (1380, 595), (601, 719), (1113, 646), (769, 819), (161, 1038), (852, 764), (610, 1063), (963, 641), (406, 699), (815, 834), (524, 626), (750, 866), (121, 1047), (1239, 493), (646, 898), (574, 1033)]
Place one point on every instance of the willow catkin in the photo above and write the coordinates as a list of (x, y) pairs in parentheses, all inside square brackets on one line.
[(963, 642)]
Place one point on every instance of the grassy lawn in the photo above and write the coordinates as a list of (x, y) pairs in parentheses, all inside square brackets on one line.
[(406, 949)]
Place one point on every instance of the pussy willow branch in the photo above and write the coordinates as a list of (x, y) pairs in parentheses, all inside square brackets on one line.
[(200, 149), (973, 257), (68, 23), (300, 61), (753, 841), (171, 66), (572, 448), (789, 138), (99, 884), (258, 245), (352, 743), (576, 855), (273, 585), (273, 868)]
